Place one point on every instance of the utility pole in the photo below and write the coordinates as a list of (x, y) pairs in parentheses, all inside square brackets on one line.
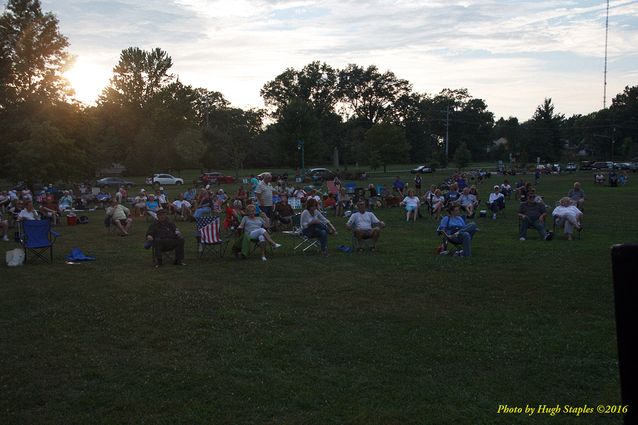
[(447, 130), (303, 169)]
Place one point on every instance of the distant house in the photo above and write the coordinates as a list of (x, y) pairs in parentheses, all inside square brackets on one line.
[(497, 144), (114, 170)]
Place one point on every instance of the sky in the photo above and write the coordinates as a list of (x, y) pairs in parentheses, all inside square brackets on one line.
[(512, 54)]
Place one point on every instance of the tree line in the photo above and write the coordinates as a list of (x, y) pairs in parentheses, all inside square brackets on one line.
[(149, 120)]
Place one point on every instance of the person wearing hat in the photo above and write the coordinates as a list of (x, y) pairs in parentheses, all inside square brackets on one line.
[(163, 236), (140, 203), (496, 201)]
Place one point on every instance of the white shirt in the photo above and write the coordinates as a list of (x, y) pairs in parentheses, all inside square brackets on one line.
[(411, 201), (28, 215), (494, 197), (571, 212), (265, 191), (180, 204), (306, 218), (362, 221)]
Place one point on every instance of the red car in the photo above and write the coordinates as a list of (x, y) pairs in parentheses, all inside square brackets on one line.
[(215, 177)]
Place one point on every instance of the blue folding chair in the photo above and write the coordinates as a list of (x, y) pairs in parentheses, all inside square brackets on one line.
[(37, 237)]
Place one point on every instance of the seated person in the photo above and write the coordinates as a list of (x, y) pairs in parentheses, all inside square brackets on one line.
[(204, 206), (411, 203), (438, 201), (28, 213), (221, 195), (506, 188), (568, 216), (452, 195), (49, 208), (140, 203), (313, 195), (457, 231), (164, 236), (599, 178), (533, 213), (120, 216), (468, 202), (234, 214), (181, 206), (152, 206), (577, 196), (241, 194), (66, 201), (329, 202), (613, 179), (4, 228), (315, 225), (254, 228), (496, 201), (362, 222), (103, 198), (283, 212)]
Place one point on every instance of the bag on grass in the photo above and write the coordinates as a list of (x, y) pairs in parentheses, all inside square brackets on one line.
[(15, 257)]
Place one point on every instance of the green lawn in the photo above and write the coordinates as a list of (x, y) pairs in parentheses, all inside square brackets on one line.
[(400, 336)]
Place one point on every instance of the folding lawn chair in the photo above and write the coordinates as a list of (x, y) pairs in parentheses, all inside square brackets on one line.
[(305, 243), (37, 237), (208, 236)]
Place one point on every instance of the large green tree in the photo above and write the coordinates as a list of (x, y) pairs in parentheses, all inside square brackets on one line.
[(33, 55), (386, 144), (544, 138), (370, 94)]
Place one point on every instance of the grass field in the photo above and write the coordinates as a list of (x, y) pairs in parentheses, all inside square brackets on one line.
[(400, 336)]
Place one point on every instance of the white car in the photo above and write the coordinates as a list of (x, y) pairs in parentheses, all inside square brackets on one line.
[(164, 179)]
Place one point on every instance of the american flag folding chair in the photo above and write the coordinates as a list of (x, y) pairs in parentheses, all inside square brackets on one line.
[(209, 237)]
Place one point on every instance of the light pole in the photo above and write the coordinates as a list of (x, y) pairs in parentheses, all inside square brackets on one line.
[(303, 169)]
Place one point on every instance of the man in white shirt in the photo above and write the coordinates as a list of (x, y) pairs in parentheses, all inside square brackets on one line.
[(361, 223), (264, 195), (182, 207)]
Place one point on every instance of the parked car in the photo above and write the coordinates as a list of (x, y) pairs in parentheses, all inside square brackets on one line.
[(113, 182), (164, 179), (320, 174), (603, 165), (622, 166), (633, 166), (570, 166), (586, 165), (215, 177), (422, 169)]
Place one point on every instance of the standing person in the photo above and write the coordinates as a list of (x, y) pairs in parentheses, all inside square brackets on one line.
[(411, 204), (361, 223), (163, 235), (264, 195), (254, 182), (533, 213), (417, 184), (537, 176), (398, 185), (457, 230), (315, 225)]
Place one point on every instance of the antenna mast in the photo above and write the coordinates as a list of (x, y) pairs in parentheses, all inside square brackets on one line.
[(605, 73)]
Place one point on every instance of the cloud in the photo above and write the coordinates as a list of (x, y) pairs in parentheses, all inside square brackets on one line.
[(510, 53)]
